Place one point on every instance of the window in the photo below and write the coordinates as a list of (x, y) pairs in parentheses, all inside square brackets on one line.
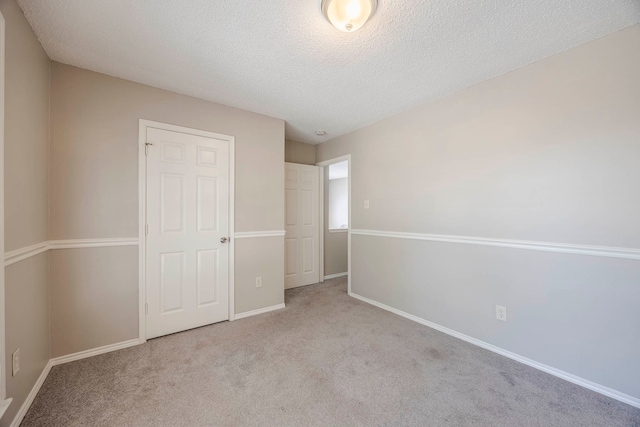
[(339, 196)]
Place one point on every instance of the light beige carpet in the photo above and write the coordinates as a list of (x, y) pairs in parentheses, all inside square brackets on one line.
[(325, 360)]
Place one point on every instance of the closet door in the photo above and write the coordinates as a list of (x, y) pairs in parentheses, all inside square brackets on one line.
[(302, 255), (187, 241)]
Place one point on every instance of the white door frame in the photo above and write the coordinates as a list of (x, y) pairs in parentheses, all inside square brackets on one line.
[(3, 372), (321, 204), (142, 214)]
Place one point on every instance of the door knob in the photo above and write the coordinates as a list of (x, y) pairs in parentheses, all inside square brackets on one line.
[(224, 240)]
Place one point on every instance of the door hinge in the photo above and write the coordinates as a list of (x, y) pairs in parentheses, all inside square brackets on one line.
[(146, 229), (146, 309), (146, 148)]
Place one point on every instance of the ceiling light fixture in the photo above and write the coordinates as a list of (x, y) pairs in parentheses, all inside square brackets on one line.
[(348, 15)]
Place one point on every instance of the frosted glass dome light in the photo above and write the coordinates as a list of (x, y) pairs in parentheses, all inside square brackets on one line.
[(348, 15)]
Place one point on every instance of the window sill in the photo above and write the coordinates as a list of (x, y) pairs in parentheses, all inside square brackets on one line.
[(338, 230)]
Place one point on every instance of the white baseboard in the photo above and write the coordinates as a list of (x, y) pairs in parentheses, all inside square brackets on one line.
[(32, 395), (258, 311), (614, 394), (93, 352), (334, 276), (59, 361)]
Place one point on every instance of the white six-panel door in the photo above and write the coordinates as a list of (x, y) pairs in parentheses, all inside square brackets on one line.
[(301, 225), (187, 264)]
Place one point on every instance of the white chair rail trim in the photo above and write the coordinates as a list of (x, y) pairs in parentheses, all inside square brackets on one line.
[(21, 254), (18, 255), (93, 243), (254, 234), (601, 251)]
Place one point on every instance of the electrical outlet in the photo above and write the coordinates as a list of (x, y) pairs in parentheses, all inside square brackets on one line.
[(15, 359), (366, 204), (259, 282), (501, 313)]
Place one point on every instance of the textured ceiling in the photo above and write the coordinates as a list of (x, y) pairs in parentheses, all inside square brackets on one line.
[(281, 58)]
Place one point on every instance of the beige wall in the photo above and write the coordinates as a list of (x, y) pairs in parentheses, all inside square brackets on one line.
[(26, 202), (299, 152), (94, 194), (26, 133), (335, 253), (546, 153), (94, 162), (268, 253), (79, 279), (543, 153), (335, 244), (27, 315)]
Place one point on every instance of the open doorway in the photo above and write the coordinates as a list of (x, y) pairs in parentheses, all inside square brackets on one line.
[(335, 214)]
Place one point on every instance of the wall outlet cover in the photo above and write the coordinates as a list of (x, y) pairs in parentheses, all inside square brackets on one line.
[(15, 361), (501, 313)]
